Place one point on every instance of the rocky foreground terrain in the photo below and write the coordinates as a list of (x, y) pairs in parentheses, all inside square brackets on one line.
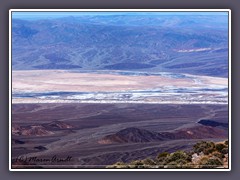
[(98, 135), (203, 155)]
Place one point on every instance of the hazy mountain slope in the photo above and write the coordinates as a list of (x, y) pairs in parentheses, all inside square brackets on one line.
[(189, 44)]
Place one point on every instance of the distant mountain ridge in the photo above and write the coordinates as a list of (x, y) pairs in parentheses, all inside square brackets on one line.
[(138, 135), (184, 44), (45, 129)]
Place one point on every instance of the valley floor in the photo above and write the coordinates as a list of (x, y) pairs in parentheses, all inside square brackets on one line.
[(78, 135), (61, 86)]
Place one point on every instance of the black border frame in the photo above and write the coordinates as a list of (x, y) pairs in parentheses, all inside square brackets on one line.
[(5, 5)]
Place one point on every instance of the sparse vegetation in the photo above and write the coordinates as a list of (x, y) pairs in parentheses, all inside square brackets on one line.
[(226, 142), (205, 147), (204, 155), (211, 163), (224, 151), (162, 155), (220, 147)]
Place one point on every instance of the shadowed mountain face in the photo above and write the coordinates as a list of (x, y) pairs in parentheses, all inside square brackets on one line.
[(58, 125), (212, 123), (45, 129), (32, 131), (132, 135), (187, 44), (136, 135)]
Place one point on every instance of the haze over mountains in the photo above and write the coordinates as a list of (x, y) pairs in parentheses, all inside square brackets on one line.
[(185, 44)]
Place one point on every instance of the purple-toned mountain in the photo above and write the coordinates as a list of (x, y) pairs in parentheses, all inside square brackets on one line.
[(132, 134), (184, 44), (137, 135), (45, 129)]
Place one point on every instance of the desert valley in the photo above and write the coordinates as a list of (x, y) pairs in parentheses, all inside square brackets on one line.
[(90, 91)]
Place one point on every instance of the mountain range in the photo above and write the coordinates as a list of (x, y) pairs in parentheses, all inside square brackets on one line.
[(181, 44)]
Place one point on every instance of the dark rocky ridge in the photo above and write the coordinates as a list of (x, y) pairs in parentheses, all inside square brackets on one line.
[(45, 129), (213, 123), (136, 135)]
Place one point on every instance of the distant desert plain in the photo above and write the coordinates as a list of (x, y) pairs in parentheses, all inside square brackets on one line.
[(116, 86), (93, 120)]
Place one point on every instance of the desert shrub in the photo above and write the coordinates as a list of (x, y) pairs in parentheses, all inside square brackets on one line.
[(161, 162), (212, 163), (208, 151), (224, 151), (163, 154), (176, 156), (226, 142), (161, 158), (148, 162), (136, 164), (203, 160), (189, 155), (220, 147), (205, 147), (119, 163), (218, 155), (181, 162)]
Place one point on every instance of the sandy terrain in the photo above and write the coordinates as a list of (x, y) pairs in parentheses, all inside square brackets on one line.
[(58, 86), (60, 80)]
